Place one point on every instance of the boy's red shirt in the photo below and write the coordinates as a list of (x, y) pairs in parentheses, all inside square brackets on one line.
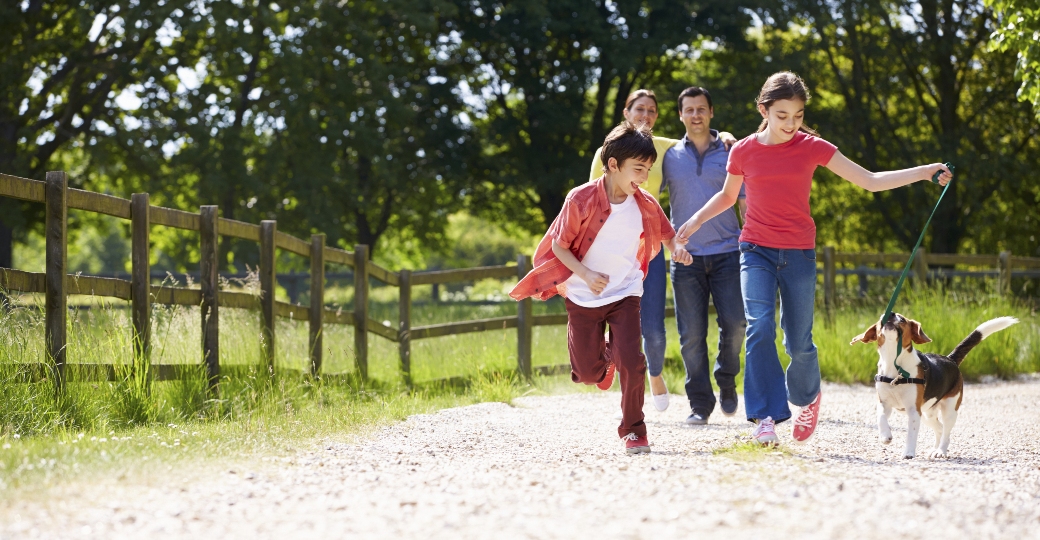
[(579, 222)]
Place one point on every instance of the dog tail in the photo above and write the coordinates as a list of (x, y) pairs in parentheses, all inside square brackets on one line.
[(982, 332)]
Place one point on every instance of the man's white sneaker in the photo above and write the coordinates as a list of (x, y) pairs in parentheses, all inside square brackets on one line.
[(765, 432)]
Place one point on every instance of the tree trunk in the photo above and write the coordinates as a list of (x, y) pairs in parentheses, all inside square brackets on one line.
[(550, 202), (6, 246)]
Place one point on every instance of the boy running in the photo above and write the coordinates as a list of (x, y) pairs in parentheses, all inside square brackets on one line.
[(595, 255)]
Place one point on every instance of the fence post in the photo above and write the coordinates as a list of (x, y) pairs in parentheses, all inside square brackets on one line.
[(140, 292), (404, 325), (523, 324), (317, 307), (210, 251), (1004, 267), (921, 266), (268, 228), (55, 306), (361, 309), (830, 274)]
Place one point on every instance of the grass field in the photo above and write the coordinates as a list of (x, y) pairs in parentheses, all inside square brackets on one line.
[(124, 425)]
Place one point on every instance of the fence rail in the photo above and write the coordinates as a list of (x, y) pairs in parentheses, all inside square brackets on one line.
[(56, 284)]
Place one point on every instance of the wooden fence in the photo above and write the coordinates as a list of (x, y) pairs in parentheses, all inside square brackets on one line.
[(56, 285)]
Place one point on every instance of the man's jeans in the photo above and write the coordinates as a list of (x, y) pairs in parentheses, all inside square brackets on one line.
[(719, 277), (763, 271), (651, 314)]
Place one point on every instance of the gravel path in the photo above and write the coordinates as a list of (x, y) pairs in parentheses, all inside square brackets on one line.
[(552, 467)]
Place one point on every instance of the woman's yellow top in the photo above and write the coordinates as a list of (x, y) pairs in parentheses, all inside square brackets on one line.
[(653, 182)]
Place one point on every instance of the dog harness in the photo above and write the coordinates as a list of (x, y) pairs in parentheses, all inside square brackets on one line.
[(901, 380), (899, 284)]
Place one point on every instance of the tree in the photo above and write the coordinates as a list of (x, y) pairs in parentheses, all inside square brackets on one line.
[(1019, 31), (903, 83), (554, 75), (62, 67), (374, 142), (334, 117)]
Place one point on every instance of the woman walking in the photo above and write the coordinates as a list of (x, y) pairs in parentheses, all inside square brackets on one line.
[(641, 108), (777, 253)]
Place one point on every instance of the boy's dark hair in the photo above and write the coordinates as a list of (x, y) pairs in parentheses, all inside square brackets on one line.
[(695, 91), (628, 141)]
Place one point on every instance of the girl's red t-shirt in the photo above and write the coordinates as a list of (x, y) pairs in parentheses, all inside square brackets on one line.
[(777, 180)]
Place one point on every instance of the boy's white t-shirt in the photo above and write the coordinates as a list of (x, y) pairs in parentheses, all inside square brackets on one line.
[(614, 252)]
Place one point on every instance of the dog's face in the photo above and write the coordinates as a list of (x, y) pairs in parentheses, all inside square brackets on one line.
[(889, 333)]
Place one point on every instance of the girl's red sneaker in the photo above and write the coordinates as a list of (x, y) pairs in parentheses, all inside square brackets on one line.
[(805, 424)]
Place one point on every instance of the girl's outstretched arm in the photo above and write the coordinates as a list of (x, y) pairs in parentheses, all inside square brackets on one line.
[(716, 205), (883, 181)]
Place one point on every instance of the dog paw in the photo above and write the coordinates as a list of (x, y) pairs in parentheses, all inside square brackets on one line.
[(910, 456), (885, 440), (939, 453)]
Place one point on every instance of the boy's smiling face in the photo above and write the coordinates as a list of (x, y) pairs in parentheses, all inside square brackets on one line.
[(626, 179)]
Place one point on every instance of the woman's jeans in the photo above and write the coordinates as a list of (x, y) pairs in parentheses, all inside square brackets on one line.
[(763, 271), (651, 315), (717, 276)]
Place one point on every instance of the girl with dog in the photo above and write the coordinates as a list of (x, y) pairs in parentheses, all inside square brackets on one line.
[(777, 249)]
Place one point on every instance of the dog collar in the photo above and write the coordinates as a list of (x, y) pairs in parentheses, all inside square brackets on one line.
[(901, 380)]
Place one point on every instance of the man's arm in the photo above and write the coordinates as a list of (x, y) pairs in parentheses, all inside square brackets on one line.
[(742, 209), (727, 139), (597, 281)]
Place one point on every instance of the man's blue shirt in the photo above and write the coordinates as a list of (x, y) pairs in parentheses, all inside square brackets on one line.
[(691, 180)]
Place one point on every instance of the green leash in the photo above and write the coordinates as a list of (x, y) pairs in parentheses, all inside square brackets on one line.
[(899, 284)]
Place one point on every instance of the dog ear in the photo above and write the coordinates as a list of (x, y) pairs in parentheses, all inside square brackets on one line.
[(868, 336), (916, 334)]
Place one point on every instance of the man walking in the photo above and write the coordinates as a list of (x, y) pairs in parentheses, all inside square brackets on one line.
[(694, 170)]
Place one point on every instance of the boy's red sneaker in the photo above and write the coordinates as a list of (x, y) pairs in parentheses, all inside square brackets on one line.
[(805, 424), (634, 444), (608, 378)]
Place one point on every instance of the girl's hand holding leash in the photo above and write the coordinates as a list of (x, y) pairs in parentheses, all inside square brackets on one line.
[(941, 175)]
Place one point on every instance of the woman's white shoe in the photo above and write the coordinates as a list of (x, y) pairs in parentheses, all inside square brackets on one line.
[(660, 401)]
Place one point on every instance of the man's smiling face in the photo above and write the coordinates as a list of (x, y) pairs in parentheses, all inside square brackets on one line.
[(696, 115)]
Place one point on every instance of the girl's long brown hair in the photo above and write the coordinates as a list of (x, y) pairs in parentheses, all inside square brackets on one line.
[(783, 85)]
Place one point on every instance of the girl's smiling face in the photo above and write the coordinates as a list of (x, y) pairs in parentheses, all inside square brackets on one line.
[(785, 116)]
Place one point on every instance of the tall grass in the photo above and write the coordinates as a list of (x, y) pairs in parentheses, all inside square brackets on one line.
[(946, 316), (102, 335)]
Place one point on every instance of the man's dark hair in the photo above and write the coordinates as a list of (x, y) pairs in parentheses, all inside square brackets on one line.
[(628, 141), (695, 91)]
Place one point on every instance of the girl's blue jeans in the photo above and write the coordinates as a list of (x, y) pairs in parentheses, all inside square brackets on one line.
[(763, 272), (651, 314)]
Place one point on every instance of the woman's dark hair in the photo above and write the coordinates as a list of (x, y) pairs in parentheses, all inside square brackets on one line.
[(641, 93), (783, 85), (628, 141)]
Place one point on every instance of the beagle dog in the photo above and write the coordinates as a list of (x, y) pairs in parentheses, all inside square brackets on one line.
[(924, 385)]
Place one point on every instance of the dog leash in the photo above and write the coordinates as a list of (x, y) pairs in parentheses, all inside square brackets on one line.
[(899, 284)]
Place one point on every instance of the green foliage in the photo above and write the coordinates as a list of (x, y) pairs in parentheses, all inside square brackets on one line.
[(555, 75), (892, 91), (1019, 32), (63, 68), (375, 121)]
